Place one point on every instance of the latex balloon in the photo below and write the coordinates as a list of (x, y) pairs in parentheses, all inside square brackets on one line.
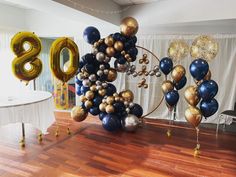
[(110, 51), (26, 56), (172, 98), (166, 65), (91, 34), (193, 116), (208, 75), (178, 50), (102, 107), (167, 86), (109, 41), (178, 73), (191, 95), (208, 108), (127, 95), (129, 26), (111, 89), (94, 111), (198, 69), (208, 89), (88, 104), (78, 114), (55, 52), (118, 46), (136, 110), (112, 75), (110, 122), (110, 109), (204, 47), (102, 115), (97, 101), (130, 123), (110, 99), (89, 95), (179, 85)]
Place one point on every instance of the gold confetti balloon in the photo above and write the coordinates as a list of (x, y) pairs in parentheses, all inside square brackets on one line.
[(178, 50), (129, 26), (78, 114), (204, 47)]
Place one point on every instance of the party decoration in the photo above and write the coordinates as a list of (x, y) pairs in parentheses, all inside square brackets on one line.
[(198, 69), (110, 122), (191, 95), (194, 116), (91, 35), (57, 46), (78, 114), (172, 98), (209, 108), (130, 123), (204, 47), (129, 26), (166, 65), (178, 50), (26, 56), (208, 89), (179, 85), (177, 73), (167, 86), (127, 95)]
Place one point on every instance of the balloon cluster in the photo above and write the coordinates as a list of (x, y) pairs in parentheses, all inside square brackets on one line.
[(205, 91), (170, 88), (97, 94)]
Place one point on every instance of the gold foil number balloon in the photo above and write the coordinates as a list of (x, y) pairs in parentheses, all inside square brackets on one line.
[(55, 51), (194, 116), (28, 56), (178, 50), (204, 47)]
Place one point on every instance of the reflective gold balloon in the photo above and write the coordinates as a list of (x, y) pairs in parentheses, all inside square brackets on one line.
[(29, 56), (127, 95), (109, 41), (110, 99), (110, 51), (178, 73), (82, 98), (88, 104), (191, 95), (89, 95), (55, 52), (93, 88), (167, 86), (193, 115), (102, 107), (208, 75), (102, 92), (129, 26), (204, 47), (178, 50), (118, 46), (110, 109), (78, 114), (112, 75)]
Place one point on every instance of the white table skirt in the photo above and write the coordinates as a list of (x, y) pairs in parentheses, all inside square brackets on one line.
[(35, 108)]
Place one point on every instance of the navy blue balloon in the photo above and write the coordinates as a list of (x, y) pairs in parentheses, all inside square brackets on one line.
[(121, 60), (91, 34), (84, 89), (208, 108), (179, 85), (134, 39), (110, 89), (117, 36), (101, 115), (172, 98), (97, 100), (102, 48), (88, 58), (119, 106), (90, 68), (77, 81), (78, 90), (208, 89), (110, 122), (94, 111), (136, 110), (198, 69), (166, 65), (133, 52)]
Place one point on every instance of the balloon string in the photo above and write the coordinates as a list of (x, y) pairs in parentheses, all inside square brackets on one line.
[(197, 148), (170, 122)]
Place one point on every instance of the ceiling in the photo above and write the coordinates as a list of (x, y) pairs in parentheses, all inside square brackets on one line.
[(133, 2)]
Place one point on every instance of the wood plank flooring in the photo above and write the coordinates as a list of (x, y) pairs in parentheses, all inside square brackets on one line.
[(91, 151)]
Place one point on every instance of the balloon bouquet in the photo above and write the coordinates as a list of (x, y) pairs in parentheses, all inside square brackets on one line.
[(203, 49), (177, 50), (98, 95)]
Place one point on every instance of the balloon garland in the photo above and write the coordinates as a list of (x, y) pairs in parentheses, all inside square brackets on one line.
[(205, 89), (97, 94)]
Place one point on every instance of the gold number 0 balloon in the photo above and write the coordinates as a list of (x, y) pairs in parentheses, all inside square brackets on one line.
[(24, 56), (57, 46)]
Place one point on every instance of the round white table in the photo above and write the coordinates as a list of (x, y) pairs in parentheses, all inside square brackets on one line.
[(33, 107)]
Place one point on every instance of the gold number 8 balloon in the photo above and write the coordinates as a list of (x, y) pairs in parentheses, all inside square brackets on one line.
[(28, 56), (55, 51)]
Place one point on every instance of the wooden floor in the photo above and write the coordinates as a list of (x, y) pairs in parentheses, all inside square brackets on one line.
[(91, 151)]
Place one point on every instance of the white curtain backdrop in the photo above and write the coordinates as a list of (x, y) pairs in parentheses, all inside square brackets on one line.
[(222, 68)]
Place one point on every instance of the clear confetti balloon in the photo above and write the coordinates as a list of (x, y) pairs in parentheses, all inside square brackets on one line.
[(178, 50)]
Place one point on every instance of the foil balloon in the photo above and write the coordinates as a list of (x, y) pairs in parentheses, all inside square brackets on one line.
[(24, 57), (129, 26), (178, 50), (78, 114), (194, 116), (204, 47), (191, 95), (167, 86), (130, 123), (55, 52), (178, 73)]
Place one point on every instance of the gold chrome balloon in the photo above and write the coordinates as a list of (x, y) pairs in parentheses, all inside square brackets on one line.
[(102, 107), (89, 95), (110, 51), (82, 98), (110, 99), (129, 26), (109, 41), (127, 95), (102, 92), (78, 114), (191, 95), (110, 109), (178, 73), (57, 46), (112, 75), (208, 75), (29, 56), (204, 47), (88, 104), (118, 46), (178, 50), (93, 88), (193, 115), (167, 86)]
